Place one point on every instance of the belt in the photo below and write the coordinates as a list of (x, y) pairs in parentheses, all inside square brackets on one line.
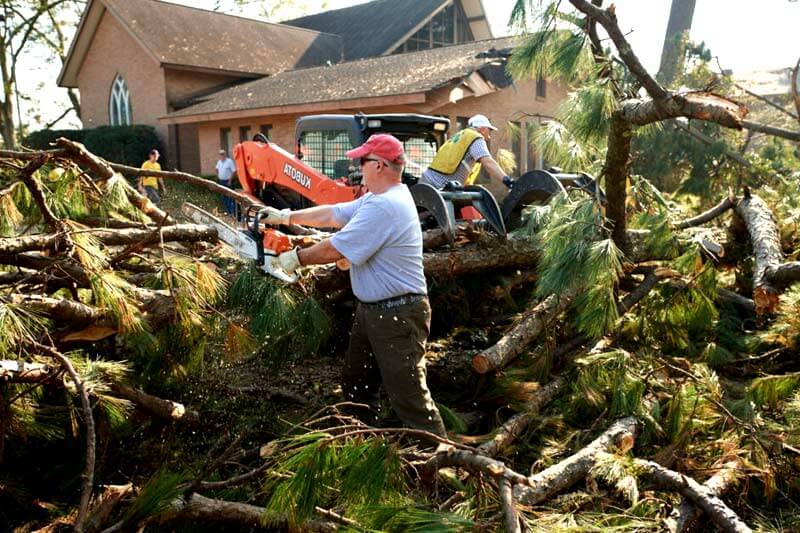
[(395, 301)]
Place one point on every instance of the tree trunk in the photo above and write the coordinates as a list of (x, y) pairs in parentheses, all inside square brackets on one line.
[(766, 241), (674, 49), (7, 105), (615, 172)]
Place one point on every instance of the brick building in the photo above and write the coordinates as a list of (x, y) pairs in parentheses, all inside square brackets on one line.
[(206, 80)]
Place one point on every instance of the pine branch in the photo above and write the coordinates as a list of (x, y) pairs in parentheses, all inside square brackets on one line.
[(509, 510), (199, 509), (719, 513), (78, 153), (515, 426), (686, 517), (183, 177), (771, 130), (517, 339), (88, 420), (608, 19)]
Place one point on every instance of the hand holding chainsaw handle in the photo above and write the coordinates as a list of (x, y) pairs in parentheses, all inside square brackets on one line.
[(275, 217), (289, 261)]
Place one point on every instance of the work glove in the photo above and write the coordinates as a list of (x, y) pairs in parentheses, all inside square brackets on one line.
[(508, 182), (277, 217), (289, 261)]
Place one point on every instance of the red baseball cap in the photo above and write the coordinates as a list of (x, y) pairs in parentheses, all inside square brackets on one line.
[(381, 144)]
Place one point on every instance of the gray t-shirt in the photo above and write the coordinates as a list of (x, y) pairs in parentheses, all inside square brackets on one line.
[(476, 151), (382, 240)]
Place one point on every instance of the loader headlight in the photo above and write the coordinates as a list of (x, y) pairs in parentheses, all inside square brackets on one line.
[(440, 126), (374, 123)]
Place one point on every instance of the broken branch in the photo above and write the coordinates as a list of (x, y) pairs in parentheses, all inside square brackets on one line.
[(565, 474)]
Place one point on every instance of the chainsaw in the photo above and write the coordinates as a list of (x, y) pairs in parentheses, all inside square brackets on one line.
[(261, 244)]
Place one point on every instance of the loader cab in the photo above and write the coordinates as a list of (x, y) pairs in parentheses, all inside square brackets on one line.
[(323, 141)]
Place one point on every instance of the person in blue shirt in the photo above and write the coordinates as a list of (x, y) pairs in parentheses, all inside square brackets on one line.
[(381, 238)]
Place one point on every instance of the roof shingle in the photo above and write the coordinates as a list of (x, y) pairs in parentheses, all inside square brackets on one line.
[(368, 30), (205, 39), (381, 76)]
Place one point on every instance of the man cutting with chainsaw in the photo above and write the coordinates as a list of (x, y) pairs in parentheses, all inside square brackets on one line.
[(456, 159), (380, 236)]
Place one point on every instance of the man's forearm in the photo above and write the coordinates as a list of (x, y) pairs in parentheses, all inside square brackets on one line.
[(320, 254), (492, 168), (320, 216)]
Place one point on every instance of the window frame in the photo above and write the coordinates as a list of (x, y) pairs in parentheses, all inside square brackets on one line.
[(120, 111)]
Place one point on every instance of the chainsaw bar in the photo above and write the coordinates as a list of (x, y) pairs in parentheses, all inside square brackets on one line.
[(240, 241)]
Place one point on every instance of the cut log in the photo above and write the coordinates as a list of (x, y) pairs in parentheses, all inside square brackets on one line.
[(199, 509), (517, 424), (515, 252), (719, 513), (22, 372), (686, 517), (155, 406), (571, 470), (70, 312), (515, 341), (766, 241)]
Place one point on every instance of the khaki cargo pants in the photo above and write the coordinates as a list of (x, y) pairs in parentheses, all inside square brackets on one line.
[(388, 345)]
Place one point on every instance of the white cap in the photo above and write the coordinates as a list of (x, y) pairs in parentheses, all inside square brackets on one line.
[(480, 121)]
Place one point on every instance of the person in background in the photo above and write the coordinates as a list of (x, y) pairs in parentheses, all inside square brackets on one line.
[(455, 160), (226, 169), (150, 185)]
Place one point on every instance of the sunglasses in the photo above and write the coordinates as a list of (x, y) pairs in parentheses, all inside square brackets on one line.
[(365, 160)]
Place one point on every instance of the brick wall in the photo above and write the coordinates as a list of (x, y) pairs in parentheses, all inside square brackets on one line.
[(180, 84), (113, 51)]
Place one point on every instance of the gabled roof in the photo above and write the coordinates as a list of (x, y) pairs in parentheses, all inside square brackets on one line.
[(387, 76), (176, 35), (371, 29)]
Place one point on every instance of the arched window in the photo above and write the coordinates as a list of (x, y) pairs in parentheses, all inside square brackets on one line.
[(119, 105)]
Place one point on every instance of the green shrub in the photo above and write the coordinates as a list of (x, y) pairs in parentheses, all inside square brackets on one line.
[(43, 139), (128, 145)]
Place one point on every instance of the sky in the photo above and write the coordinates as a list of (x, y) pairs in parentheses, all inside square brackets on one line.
[(746, 35)]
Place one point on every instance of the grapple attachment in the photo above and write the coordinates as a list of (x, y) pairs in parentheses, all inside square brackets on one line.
[(445, 205), (537, 187)]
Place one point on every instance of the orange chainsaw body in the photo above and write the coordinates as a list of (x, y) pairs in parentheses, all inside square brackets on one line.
[(275, 242)]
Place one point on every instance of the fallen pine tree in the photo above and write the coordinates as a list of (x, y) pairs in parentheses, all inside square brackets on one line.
[(111, 305)]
